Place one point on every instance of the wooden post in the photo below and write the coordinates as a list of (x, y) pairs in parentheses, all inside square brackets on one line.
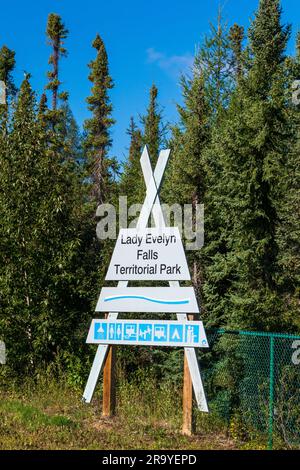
[(109, 384), (188, 421)]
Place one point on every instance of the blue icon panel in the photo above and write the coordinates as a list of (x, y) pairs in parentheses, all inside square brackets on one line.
[(168, 333)]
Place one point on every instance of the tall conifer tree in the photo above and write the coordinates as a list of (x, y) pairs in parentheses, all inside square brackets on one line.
[(251, 146), (132, 183), (187, 174), (98, 140), (56, 33), (154, 130), (288, 231), (213, 59)]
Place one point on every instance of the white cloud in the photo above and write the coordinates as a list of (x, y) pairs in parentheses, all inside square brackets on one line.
[(173, 65)]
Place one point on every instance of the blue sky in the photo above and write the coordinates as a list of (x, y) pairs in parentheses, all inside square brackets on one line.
[(147, 42)]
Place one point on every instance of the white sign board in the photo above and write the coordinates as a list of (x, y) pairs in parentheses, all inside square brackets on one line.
[(148, 333), (149, 254), (147, 299), (158, 259)]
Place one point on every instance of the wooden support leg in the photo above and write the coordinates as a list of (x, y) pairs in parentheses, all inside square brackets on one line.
[(188, 421), (188, 425), (109, 384)]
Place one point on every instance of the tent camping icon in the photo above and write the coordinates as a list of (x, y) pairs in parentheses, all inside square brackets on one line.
[(175, 335)]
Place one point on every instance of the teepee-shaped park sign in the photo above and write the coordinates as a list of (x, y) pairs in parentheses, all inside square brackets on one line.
[(149, 254)]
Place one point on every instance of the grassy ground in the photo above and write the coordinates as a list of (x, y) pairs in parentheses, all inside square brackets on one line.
[(50, 415)]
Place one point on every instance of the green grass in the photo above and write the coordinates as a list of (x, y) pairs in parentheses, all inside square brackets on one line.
[(49, 414), (32, 417)]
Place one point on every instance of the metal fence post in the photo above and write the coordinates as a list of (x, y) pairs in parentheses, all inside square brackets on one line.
[(271, 393)]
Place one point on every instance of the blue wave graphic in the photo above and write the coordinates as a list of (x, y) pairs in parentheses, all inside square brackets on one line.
[(149, 299)]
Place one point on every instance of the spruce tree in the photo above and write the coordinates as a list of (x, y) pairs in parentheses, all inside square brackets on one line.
[(187, 173), (70, 135), (98, 140), (288, 231), (251, 145), (56, 117), (192, 172), (187, 161), (56, 34), (132, 183), (213, 59), (154, 130)]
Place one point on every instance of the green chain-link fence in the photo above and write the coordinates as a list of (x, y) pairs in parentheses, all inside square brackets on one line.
[(253, 379)]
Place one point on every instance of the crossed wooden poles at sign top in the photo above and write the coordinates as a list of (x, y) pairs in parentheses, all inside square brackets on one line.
[(151, 205)]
